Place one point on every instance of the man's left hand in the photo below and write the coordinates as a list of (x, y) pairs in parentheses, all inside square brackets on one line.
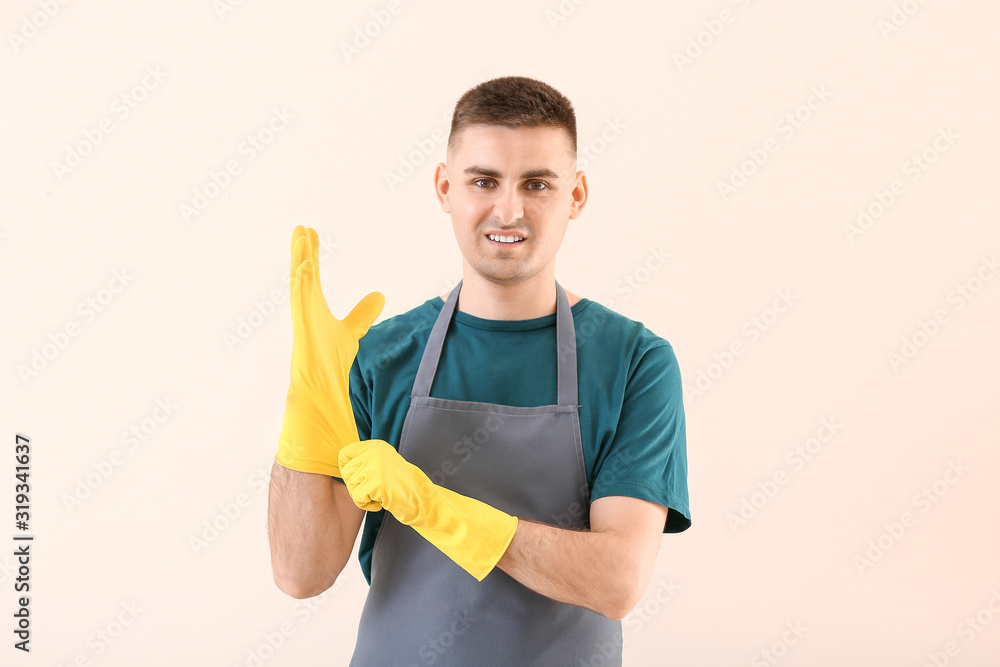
[(378, 477), (470, 532)]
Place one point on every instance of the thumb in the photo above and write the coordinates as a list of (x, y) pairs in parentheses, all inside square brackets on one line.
[(349, 452), (360, 319)]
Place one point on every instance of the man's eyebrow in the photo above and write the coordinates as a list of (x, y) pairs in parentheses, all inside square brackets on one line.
[(493, 173)]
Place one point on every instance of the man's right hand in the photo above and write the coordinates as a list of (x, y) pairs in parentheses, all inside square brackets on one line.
[(319, 419)]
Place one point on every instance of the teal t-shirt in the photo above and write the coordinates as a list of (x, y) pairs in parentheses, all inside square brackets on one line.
[(630, 393)]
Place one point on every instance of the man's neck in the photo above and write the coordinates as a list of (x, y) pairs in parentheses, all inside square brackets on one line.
[(526, 300)]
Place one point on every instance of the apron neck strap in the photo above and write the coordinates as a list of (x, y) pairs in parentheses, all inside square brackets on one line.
[(565, 348)]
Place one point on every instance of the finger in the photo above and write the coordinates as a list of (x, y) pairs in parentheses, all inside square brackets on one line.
[(299, 229), (314, 245), (298, 233), (360, 319), (367, 504), (307, 279), (302, 282), (300, 249), (348, 452)]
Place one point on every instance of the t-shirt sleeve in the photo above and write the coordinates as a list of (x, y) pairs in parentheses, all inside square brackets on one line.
[(647, 458), (360, 401)]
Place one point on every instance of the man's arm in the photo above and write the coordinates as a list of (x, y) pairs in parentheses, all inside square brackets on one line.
[(312, 524), (312, 521), (606, 569)]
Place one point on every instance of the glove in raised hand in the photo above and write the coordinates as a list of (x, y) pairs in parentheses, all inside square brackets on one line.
[(319, 419)]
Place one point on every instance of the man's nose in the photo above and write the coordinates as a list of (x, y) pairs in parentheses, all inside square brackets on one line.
[(509, 205)]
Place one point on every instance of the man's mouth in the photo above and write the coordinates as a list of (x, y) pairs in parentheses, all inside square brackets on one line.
[(496, 238)]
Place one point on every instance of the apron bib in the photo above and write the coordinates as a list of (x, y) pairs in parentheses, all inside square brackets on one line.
[(424, 609)]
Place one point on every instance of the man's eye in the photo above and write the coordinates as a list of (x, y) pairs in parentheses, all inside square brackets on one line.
[(489, 183)]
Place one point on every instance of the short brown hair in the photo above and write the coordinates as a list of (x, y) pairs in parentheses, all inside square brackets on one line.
[(513, 101)]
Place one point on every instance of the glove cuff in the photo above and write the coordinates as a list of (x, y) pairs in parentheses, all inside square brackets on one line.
[(470, 532)]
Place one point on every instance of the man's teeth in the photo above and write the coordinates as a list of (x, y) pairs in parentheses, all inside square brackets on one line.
[(505, 239)]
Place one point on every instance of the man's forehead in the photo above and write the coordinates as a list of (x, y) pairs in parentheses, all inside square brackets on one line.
[(533, 152), (493, 172)]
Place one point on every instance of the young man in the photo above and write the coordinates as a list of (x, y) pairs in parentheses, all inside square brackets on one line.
[(519, 450)]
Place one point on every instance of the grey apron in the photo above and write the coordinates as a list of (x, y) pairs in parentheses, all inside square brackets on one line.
[(424, 609)]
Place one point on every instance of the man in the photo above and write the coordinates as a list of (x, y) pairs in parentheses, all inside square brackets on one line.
[(519, 449)]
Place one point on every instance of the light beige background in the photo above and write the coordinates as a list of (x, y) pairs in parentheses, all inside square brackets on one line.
[(722, 593)]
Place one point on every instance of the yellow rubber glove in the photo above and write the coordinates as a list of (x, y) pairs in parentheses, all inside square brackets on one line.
[(319, 419), (468, 531)]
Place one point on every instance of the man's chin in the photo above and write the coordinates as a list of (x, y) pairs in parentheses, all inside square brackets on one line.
[(501, 275)]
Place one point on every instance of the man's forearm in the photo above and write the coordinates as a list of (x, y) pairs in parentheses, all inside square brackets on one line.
[(309, 544), (585, 568)]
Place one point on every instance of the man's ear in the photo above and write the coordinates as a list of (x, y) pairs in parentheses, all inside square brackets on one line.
[(442, 185), (580, 194)]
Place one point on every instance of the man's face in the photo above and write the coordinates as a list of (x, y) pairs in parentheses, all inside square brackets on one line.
[(516, 183)]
